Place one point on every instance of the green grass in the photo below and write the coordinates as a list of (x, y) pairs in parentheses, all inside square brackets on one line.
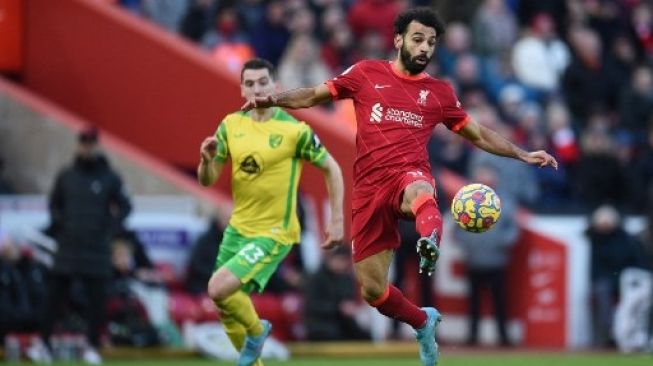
[(548, 359)]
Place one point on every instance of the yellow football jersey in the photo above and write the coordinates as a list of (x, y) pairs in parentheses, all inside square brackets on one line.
[(266, 165)]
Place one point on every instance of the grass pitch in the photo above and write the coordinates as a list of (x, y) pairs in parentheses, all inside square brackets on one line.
[(477, 359)]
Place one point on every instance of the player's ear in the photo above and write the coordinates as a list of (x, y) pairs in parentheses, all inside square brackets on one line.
[(398, 41)]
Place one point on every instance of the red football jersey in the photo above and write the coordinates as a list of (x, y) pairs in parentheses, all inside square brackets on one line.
[(395, 115)]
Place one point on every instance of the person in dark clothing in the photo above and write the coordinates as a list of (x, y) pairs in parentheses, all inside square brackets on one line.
[(143, 268), (487, 257), (5, 186), (202, 259), (600, 177), (87, 206), (612, 251), (14, 297), (330, 302)]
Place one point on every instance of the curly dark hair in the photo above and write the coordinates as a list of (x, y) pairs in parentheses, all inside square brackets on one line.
[(423, 15)]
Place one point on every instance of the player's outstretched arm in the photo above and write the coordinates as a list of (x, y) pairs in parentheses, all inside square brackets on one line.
[(494, 143), (208, 170), (335, 188), (292, 99)]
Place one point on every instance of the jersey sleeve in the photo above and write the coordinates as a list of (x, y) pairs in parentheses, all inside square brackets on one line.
[(453, 113), (309, 147), (223, 144), (348, 83)]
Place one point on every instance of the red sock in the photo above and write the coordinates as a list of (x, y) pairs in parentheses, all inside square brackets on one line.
[(393, 304), (427, 215)]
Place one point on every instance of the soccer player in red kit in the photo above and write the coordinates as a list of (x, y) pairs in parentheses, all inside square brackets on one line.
[(397, 106)]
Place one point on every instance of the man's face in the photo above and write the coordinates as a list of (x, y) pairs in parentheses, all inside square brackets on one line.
[(87, 150), (416, 47), (257, 83)]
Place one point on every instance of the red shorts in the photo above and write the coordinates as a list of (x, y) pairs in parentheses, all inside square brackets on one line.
[(375, 213)]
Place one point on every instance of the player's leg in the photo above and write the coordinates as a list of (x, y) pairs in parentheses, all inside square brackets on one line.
[(236, 310), (253, 265), (418, 201), (372, 275)]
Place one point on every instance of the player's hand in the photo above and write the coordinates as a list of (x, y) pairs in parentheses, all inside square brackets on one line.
[(259, 102), (541, 158), (334, 234), (208, 149)]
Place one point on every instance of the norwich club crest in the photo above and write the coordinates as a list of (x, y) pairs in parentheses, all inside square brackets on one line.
[(275, 140)]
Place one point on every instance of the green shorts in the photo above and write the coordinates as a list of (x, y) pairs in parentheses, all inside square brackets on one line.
[(253, 260)]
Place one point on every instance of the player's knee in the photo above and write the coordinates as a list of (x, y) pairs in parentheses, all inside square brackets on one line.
[(216, 292), (372, 291)]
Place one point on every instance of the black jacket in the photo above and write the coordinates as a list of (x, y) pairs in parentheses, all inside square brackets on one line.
[(87, 205)]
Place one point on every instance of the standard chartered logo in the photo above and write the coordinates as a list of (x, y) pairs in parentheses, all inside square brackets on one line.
[(377, 113), (395, 115)]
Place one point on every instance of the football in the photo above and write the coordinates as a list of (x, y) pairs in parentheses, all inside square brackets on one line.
[(476, 208)]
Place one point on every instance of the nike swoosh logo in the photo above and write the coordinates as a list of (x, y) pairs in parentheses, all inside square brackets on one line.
[(377, 86), (239, 135)]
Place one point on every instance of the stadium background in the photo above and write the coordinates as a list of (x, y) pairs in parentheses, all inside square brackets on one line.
[(155, 77)]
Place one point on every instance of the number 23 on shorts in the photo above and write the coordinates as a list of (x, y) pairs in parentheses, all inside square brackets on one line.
[(251, 253)]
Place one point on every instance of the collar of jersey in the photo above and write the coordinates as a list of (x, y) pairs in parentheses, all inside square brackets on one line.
[(403, 76), (273, 117)]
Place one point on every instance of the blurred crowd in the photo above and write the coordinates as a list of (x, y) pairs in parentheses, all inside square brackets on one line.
[(573, 77)]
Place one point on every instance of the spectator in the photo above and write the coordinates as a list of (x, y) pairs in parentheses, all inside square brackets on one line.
[(456, 42), (15, 307), (612, 250), (197, 19), (643, 169), (642, 22), (384, 12), (127, 315), (494, 28), (87, 205), (5, 186), (540, 57), (330, 300), (270, 37), (301, 65), (202, 258), (486, 259), (142, 267), (226, 30), (563, 138), (524, 190), (600, 177), (338, 52), (586, 82), (636, 105)]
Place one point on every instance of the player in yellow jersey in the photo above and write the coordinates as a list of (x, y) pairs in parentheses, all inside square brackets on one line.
[(266, 147)]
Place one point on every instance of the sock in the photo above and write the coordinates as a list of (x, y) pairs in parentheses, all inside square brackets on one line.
[(427, 215), (235, 331), (240, 307), (393, 304)]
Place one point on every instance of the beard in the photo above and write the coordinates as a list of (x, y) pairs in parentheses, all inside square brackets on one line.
[(410, 63)]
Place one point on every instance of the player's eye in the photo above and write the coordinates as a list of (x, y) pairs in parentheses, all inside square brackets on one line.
[(249, 84), (263, 82)]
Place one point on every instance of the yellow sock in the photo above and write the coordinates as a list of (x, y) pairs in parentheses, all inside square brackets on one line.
[(240, 307), (235, 331)]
